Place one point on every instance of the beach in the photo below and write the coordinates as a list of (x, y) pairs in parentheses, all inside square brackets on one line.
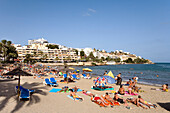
[(42, 101)]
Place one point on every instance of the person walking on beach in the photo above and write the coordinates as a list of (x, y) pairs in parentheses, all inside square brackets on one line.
[(119, 79)]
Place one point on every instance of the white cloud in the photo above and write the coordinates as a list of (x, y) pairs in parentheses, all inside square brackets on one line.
[(86, 14), (91, 10)]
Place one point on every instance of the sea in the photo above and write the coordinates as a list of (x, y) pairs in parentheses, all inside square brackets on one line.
[(150, 74)]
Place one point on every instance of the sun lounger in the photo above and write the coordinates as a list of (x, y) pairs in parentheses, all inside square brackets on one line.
[(85, 76), (65, 75), (16, 88), (24, 94), (53, 80), (47, 82), (74, 77)]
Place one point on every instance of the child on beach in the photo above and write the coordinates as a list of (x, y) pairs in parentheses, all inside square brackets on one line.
[(165, 87)]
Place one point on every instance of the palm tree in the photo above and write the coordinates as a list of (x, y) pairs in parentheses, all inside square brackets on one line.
[(8, 51)]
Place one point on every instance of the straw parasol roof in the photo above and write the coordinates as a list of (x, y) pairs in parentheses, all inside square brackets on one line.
[(18, 71)]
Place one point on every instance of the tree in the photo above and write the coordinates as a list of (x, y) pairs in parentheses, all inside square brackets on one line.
[(28, 58), (9, 43), (140, 61), (117, 60), (102, 58), (91, 55), (76, 51), (57, 58), (82, 53), (8, 51), (3, 42), (45, 57), (50, 46), (129, 60)]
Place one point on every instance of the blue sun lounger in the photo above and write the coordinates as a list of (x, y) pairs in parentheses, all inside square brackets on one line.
[(24, 94), (53, 80), (65, 75), (85, 76), (31, 91), (47, 82), (74, 77)]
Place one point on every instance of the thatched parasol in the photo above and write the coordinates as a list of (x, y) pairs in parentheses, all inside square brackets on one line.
[(18, 72)]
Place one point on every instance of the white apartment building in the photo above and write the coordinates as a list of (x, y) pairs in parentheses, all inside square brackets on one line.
[(38, 50)]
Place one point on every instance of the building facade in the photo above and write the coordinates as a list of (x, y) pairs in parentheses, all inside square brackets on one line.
[(39, 51)]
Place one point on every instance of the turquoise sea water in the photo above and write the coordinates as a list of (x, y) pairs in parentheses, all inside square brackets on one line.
[(145, 72)]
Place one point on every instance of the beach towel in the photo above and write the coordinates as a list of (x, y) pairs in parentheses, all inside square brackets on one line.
[(146, 105), (79, 90), (72, 97), (102, 89), (54, 90)]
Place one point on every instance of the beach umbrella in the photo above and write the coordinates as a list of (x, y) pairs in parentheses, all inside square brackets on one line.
[(71, 68), (87, 69), (110, 74), (18, 72), (110, 80), (76, 71)]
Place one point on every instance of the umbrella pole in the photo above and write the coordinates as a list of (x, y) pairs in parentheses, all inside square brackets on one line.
[(19, 86)]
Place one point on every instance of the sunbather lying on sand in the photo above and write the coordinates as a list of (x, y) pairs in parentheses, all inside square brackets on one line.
[(65, 88), (73, 94), (139, 100), (134, 101), (75, 88), (98, 99), (87, 93), (118, 99), (107, 97)]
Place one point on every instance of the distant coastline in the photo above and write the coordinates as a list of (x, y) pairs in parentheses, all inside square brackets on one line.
[(85, 64)]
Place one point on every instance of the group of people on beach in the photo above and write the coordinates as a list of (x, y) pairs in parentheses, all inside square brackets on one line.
[(131, 86)]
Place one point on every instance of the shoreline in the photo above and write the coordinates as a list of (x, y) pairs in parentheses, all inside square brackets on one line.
[(85, 64)]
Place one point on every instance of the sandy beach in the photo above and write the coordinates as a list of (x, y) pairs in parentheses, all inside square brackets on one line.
[(42, 101)]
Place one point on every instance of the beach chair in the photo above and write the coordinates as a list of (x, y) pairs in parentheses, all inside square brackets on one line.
[(74, 77), (16, 89), (53, 80), (85, 76), (65, 75), (47, 82), (24, 94)]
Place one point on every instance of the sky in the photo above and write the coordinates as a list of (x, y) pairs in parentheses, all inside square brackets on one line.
[(141, 27)]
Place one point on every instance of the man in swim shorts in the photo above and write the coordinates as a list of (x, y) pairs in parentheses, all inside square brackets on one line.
[(107, 97)]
